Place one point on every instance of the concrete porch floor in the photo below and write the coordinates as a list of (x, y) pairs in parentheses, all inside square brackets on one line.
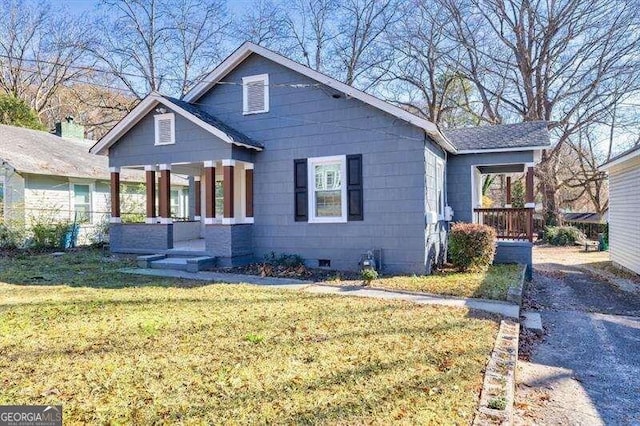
[(190, 245)]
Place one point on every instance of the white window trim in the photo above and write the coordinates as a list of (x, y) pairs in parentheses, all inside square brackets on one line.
[(171, 116), (311, 185), (72, 202), (264, 78)]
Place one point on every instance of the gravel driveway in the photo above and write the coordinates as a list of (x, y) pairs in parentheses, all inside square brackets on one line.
[(586, 370)]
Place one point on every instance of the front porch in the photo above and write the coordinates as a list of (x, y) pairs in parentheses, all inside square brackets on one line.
[(220, 212)]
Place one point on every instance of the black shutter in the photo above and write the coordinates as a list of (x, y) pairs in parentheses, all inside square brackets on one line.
[(300, 190), (354, 187)]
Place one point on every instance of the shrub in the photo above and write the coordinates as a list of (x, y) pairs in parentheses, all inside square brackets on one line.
[(11, 235), (472, 246), (284, 259), (49, 235), (368, 275), (562, 235)]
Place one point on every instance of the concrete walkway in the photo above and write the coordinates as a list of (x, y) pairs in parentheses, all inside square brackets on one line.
[(493, 306)]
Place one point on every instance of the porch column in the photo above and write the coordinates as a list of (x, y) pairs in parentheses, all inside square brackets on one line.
[(228, 167), (209, 192), (115, 195), (165, 193), (530, 202), (150, 182), (197, 198), (508, 188), (248, 180)]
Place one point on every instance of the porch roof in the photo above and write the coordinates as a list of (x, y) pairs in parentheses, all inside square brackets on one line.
[(530, 135)]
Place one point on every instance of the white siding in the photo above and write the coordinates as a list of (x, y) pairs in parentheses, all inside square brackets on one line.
[(624, 222)]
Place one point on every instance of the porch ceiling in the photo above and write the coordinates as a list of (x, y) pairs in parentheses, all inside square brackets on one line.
[(502, 168)]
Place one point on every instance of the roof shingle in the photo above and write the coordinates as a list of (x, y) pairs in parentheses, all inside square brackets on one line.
[(502, 136)]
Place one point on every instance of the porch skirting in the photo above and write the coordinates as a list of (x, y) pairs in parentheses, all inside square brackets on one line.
[(232, 245), (140, 238), (515, 252)]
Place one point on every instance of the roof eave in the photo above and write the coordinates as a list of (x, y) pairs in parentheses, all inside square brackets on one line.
[(143, 108), (616, 161), (509, 149)]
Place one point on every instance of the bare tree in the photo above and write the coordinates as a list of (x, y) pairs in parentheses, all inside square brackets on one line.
[(359, 48), (153, 45), (41, 49), (265, 24), (567, 62), (424, 79), (310, 31), (199, 30)]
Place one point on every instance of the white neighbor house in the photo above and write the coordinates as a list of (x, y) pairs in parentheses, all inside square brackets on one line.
[(624, 205), (49, 177)]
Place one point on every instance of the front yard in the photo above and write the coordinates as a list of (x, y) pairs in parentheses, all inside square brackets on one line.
[(492, 284), (115, 348)]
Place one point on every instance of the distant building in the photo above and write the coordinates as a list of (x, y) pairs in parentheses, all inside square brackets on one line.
[(53, 177)]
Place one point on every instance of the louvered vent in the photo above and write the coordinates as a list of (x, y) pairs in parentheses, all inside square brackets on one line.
[(165, 129), (256, 94)]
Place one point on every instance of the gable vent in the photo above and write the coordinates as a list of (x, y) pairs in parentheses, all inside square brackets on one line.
[(255, 94), (165, 129)]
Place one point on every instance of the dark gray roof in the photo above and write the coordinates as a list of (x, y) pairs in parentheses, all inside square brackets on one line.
[(215, 122), (501, 136), (584, 217)]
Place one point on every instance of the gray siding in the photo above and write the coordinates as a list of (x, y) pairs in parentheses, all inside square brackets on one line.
[(515, 252), (308, 122), (140, 238), (459, 177), (193, 144), (624, 204)]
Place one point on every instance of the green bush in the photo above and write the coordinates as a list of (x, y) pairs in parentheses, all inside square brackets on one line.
[(49, 235), (472, 246), (368, 275), (563, 235), (284, 259), (11, 235)]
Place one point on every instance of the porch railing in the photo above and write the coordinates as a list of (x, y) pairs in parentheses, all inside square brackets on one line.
[(509, 223)]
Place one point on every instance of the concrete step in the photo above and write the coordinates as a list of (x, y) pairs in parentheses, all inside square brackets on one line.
[(533, 321), (189, 264)]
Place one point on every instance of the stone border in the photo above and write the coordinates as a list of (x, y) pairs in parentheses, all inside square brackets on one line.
[(514, 293), (499, 378)]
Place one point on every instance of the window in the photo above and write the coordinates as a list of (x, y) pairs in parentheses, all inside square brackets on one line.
[(255, 94), (327, 200), (165, 127), (82, 203), (440, 189)]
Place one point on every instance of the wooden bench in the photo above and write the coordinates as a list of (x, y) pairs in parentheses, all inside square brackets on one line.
[(588, 244)]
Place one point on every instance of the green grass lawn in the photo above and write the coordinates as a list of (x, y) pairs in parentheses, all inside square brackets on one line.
[(153, 351), (492, 284)]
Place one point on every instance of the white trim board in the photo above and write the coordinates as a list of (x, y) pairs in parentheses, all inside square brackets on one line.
[(143, 108), (247, 48), (490, 150)]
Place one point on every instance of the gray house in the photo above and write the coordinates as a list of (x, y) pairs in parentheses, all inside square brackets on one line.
[(283, 158)]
